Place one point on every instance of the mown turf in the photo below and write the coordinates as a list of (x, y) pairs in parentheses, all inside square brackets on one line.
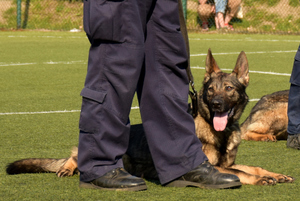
[(53, 78)]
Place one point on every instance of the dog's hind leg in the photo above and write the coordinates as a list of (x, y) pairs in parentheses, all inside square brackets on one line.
[(70, 167), (250, 135)]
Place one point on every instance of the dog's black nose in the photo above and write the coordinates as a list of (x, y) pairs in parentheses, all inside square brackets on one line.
[(217, 103)]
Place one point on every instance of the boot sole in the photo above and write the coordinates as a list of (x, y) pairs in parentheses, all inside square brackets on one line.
[(182, 184), (92, 186)]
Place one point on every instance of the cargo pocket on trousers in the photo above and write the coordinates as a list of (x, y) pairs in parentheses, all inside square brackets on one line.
[(103, 19), (92, 102)]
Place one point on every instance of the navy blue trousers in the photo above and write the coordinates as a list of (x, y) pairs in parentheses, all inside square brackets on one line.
[(294, 98), (136, 46)]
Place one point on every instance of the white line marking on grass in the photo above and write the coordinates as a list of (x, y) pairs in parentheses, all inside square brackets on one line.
[(45, 63), (258, 52), (65, 62), (251, 71), (22, 36), (85, 62), (49, 112), (42, 112), (72, 111), (245, 39), (17, 64), (270, 73), (204, 39)]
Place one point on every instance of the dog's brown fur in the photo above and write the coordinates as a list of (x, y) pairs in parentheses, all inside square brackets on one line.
[(268, 118), (222, 94)]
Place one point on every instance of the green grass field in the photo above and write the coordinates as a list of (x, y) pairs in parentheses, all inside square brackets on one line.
[(42, 74)]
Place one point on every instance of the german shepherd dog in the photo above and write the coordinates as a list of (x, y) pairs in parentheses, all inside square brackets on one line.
[(268, 118), (221, 102)]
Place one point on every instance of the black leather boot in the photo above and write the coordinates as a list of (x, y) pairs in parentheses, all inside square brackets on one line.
[(206, 176), (117, 179), (293, 141)]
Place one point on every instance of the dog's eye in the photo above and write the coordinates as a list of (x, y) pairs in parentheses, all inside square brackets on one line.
[(228, 88), (210, 89)]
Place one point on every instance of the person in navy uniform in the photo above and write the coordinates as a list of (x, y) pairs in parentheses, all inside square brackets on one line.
[(293, 140), (137, 46)]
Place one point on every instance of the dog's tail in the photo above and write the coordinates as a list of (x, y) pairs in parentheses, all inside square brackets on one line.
[(35, 165), (62, 167)]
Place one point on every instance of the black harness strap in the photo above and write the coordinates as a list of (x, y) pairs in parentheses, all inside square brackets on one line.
[(193, 93)]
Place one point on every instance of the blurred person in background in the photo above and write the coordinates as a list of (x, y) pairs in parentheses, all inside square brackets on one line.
[(206, 9), (220, 7)]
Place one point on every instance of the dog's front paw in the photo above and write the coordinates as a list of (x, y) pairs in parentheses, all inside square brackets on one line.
[(69, 168), (284, 179), (266, 181), (63, 172), (269, 138)]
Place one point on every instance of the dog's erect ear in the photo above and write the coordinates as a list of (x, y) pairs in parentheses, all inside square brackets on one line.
[(211, 65), (242, 69)]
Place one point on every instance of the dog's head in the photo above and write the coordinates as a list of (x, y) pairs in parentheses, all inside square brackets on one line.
[(223, 98)]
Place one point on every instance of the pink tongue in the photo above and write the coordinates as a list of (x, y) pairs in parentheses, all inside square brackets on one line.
[(220, 121)]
